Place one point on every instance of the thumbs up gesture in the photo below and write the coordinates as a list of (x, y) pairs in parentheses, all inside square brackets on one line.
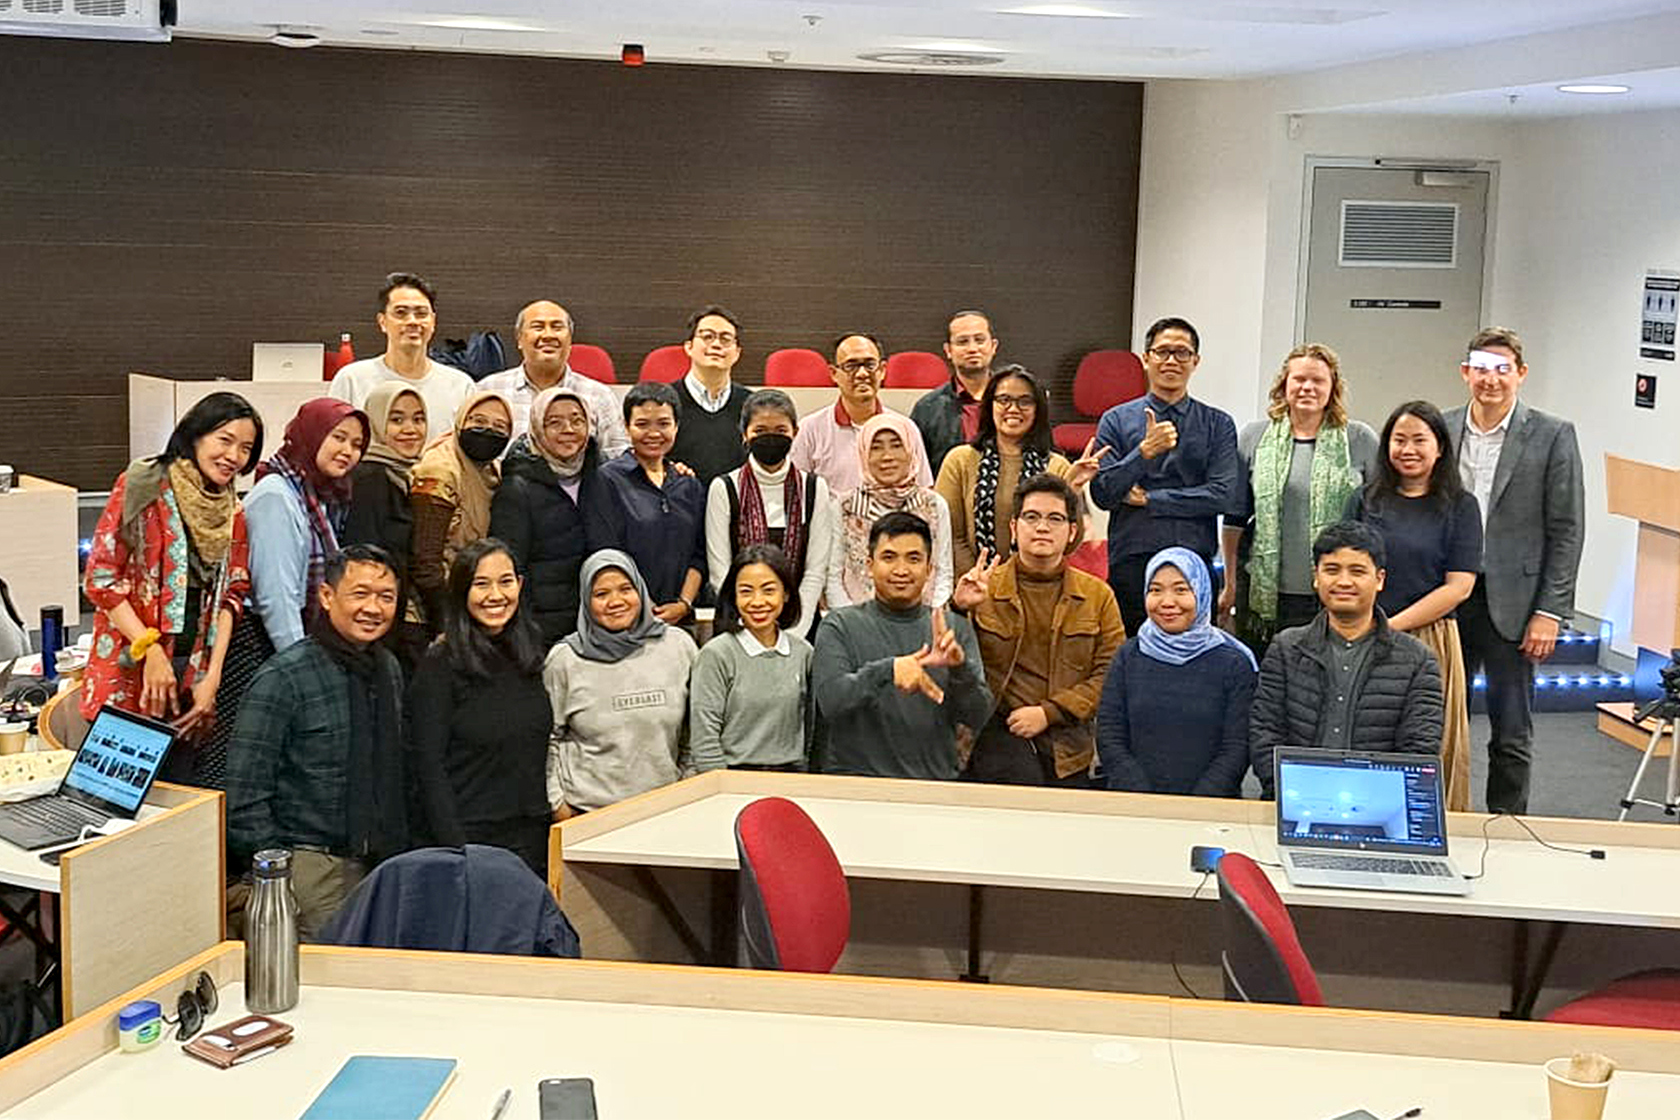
[(1159, 437)]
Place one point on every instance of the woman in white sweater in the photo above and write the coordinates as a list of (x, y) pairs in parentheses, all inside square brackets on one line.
[(619, 689)]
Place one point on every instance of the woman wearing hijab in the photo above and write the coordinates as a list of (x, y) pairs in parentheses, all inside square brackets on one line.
[(1174, 712), (379, 509), (891, 462), (547, 480), (618, 685), (480, 719), (168, 571), (451, 493), (297, 510), (978, 480)]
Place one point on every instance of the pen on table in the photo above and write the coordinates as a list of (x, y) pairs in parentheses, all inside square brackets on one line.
[(1406, 1115), (501, 1104)]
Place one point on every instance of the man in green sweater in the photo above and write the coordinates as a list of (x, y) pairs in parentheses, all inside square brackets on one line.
[(892, 678)]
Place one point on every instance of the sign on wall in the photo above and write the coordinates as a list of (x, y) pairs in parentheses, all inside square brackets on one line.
[(1659, 314)]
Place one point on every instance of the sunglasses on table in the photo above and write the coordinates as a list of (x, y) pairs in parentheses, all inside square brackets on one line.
[(194, 1006)]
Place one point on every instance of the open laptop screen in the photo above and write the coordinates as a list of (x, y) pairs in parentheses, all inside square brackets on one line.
[(1369, 802), (117, 761)]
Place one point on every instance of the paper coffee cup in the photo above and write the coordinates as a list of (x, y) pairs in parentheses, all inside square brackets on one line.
[(1574, 1100), (13, 737)]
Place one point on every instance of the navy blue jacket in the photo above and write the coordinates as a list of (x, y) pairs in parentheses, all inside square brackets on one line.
[(1188, 487), (663, 529)]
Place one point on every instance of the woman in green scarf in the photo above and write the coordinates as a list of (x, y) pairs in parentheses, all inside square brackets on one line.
[(1300, 465)]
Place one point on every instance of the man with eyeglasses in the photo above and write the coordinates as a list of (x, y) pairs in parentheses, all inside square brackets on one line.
[(408, 319), (544, 332), (709, 441), (1047, 633), (1524, 466), (950, 414), (827, 439), (1172, 470)]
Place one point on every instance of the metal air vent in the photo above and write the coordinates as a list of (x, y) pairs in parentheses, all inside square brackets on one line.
[(1399, 234)]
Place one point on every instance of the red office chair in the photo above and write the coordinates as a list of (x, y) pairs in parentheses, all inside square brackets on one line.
[(667, 364), (593, 362), (795, 910), (1104, 379), (1263, 959), (916, 369), (1644, 999), (792, 369)]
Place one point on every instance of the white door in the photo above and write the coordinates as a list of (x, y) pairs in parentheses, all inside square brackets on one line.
[(1394, 280)]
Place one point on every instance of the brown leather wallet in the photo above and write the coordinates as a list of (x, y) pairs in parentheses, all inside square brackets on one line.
[(239, 1041)]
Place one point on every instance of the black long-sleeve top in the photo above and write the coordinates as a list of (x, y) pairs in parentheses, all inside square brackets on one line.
[(479, 746)]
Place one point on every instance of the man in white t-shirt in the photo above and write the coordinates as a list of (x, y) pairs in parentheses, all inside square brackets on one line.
[(408, 318), (544, 331)]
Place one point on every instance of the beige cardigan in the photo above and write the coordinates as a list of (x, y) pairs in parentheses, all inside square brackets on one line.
[(956, 486)]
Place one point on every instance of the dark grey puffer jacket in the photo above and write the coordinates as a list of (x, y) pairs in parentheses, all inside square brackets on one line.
[(1399, 707)]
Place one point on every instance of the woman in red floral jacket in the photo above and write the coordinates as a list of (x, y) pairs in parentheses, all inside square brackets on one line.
[(169, 569)]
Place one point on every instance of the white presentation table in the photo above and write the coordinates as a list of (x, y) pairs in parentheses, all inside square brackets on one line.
[(663, 1041), (1110, 844)]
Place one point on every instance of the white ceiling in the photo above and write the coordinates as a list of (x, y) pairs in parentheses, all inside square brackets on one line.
[(1229, 39)]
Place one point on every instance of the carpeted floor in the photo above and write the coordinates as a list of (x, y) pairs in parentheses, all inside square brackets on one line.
[(1578, 772)]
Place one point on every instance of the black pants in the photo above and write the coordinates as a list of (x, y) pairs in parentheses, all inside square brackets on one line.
[(1510, 699), (1126, 581), (1009, 760)]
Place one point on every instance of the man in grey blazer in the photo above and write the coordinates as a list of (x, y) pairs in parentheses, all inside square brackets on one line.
[(1524, 466)]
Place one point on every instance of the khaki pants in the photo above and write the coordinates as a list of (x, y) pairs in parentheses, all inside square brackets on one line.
[(320, 883)]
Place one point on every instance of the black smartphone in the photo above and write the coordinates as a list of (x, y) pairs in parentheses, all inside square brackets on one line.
[(566, 1098)]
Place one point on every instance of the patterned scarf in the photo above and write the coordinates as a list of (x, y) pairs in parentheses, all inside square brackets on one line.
[(208, 513), (1033, 462), (860, 509), (1333, 481), (755, 527), (325, 501)]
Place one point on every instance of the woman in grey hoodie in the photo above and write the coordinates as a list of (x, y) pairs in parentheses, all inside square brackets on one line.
[(619, 688)]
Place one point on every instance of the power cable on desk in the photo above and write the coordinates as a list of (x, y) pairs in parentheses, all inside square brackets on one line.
[(1481, 864)]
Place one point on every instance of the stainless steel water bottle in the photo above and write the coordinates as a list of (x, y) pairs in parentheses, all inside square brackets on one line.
[(271, 935)]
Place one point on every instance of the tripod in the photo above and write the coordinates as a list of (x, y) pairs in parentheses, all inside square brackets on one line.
[(1665, 710)]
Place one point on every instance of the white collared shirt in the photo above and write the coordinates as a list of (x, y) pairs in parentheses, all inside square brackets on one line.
[(1478, 457), (753, 648), (515, 386), (703, 396)]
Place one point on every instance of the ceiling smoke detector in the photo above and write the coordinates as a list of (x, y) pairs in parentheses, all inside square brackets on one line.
[(932, 58)]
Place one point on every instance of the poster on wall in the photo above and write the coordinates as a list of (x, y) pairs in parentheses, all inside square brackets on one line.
[(1659, 315)]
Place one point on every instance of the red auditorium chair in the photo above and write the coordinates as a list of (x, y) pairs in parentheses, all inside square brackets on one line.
[(1263, 959), (1104, 379), (593, 362), (796, 368), (916, 369), (667, 364), (1644, 999), (796, 912)]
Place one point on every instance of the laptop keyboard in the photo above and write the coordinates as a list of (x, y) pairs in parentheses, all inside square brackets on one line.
[(1379, 865), (31, 821)]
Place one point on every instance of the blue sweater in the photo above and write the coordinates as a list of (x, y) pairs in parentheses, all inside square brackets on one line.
[(1176, 728)]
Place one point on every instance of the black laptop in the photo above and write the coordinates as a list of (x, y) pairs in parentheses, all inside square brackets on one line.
[(108, 778)]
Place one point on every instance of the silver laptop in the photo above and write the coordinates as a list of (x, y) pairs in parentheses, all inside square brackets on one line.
[(286, 361), (1367, 821), (107, 780)]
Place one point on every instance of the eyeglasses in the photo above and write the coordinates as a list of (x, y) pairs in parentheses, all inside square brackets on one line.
[(194, 1006), (1018, 404), (403, 314), (1033, 517), (566, 424), (722, 338), (860, 365), (1171, 353)]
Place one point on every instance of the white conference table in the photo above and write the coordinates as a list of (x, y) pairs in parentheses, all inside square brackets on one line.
[(662, 1041), (1126, 844)]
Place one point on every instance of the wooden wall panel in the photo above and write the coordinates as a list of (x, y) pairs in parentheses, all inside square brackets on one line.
[(162, 207)]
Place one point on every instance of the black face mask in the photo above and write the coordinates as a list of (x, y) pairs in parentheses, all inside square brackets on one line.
[(482, 444), (769, 448)]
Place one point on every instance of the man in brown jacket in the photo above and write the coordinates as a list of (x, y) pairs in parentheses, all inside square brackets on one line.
[(1046, 633)]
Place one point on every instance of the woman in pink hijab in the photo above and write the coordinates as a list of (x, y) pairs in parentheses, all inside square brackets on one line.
[(891, 455)]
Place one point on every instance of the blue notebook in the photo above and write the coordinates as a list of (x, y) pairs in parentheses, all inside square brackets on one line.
[(374, 1087)]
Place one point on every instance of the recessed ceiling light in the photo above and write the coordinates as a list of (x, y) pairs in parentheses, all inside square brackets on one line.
[(295, 38), (1071, 11), (479, 23), (932, 58), (1590, 87)]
